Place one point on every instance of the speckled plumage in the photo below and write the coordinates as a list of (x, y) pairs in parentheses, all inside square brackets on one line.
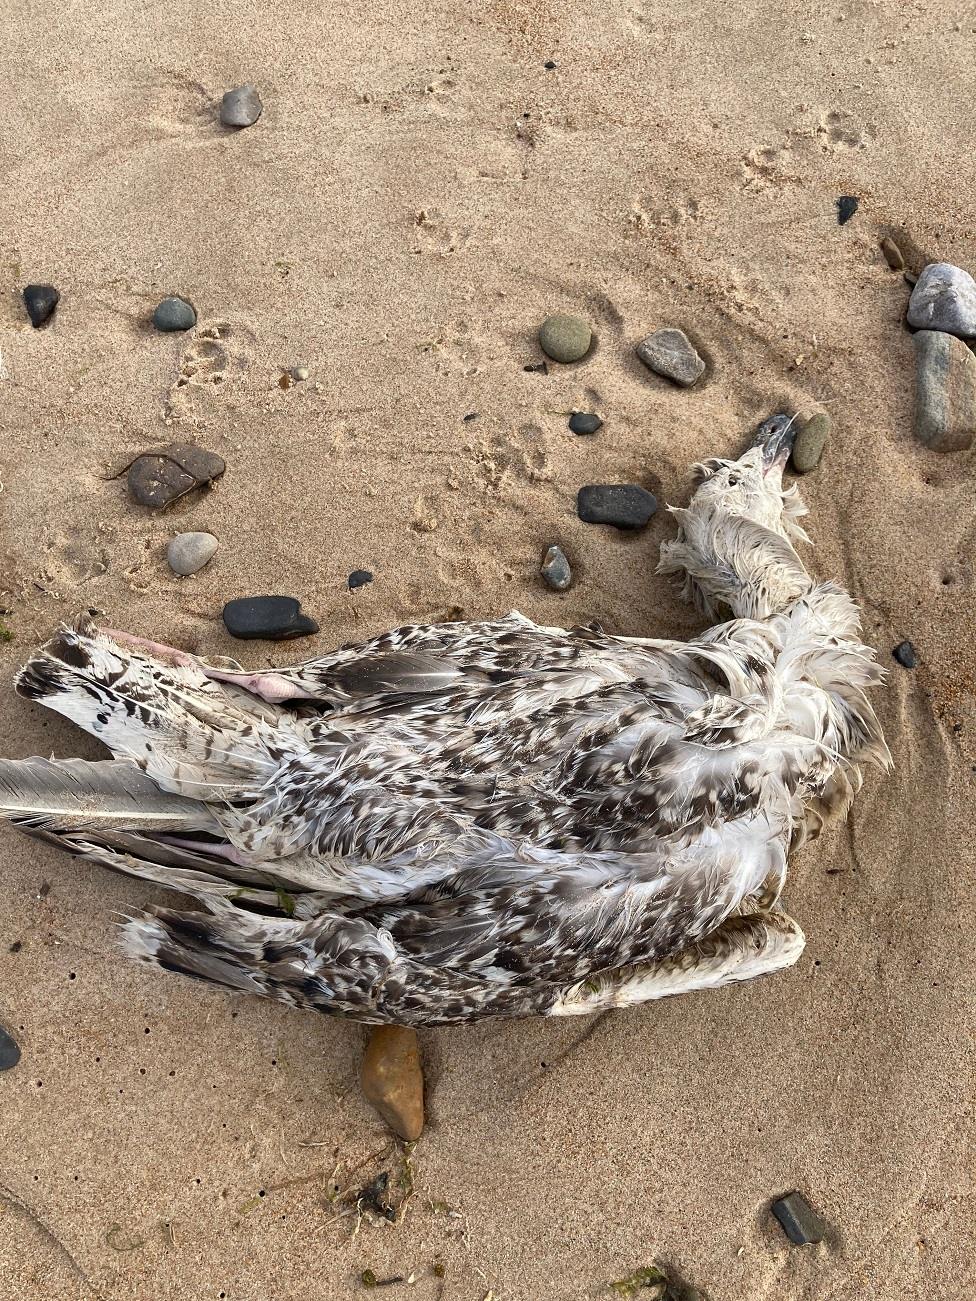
[(479, 819)]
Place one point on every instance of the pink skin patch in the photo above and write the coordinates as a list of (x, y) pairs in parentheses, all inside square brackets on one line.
[(271, 687)]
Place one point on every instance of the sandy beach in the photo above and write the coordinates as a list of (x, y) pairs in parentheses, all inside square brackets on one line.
[(418, 194)]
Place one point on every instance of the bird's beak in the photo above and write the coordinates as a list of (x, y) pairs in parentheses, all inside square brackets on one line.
[(775, 438)]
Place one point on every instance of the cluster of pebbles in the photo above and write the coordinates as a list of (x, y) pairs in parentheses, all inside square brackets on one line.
[(670, 354), (942, 312)]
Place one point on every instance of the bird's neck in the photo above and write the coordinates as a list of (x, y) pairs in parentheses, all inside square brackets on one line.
[(763, 573)]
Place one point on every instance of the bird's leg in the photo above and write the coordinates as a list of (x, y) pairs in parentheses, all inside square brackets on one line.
[(740, 949), (269, 686)]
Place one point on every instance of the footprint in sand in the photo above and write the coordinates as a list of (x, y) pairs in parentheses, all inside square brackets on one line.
[(215, 357), (836, 132), (839, 131), (433, 235), (524, 455)]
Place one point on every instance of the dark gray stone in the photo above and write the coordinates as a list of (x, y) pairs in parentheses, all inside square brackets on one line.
[(157, 479), (624, 505), (801, 1223), (267, 618), (174, 314), (549, 65), (847, 205), (556, 570), (9, 1051), (808, 446), (585, 422), (189, 552), (671, 353), (944, 298), (241, 107), (565, 338), (945, 391), (40, 301), (904, 653), (359, 578)]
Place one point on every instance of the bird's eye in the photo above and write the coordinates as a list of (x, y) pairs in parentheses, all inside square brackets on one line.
[(733, 480)]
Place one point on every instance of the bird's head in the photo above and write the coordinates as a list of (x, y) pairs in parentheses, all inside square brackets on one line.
[(734, 547)]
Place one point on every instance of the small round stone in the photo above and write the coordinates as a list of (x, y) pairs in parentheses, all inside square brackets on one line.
[(174, 314), (300, 372), (847, 205), (565, 338), (550, 65), (585, 422), (40, 301), (904, 653), (556, 570), (359, 578), (809, 444), (624, 505), (189, 552), (241, 107)]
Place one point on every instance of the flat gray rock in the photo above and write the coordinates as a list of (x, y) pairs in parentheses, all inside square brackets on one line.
[(944, 298), (624, 505), (158, 478), (800, 1222), (945, 391), (671, 353), (189, 552), (241, 107)]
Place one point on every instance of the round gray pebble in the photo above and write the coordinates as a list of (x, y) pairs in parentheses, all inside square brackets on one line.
[(241, 107), (189, 552), (565, 338), (905, 654), (174, 314), (585, 422), (808, 446), (556, 570)]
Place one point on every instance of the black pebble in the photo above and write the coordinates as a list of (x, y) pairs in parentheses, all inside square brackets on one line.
[(801, 1223), (40, 301), (549, 65), (267, 618), (359, 578), (537, 368), (584, 422), (472, 415), (846, 208), (9, 1052), (624, 505), (904, 653)]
